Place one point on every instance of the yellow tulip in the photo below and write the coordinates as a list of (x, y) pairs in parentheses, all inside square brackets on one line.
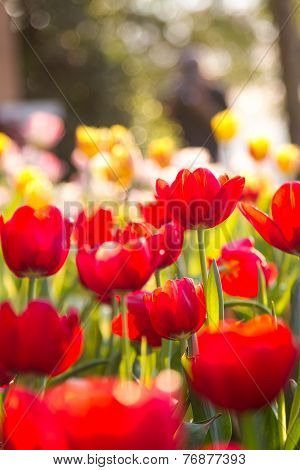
[(287, 157), (258, 147), (27, 175), (224, 125), (5, 143), (162, 151), (93, 140), (38, 194)]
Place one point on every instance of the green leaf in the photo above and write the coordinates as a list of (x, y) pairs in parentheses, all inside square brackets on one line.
[(295, 308), (293, 436), (214, 297), (262, 294), (196, 432), (221, 429), (295, 408)]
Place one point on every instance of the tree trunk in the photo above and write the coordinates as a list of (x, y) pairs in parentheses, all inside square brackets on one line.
[(289, 46), (10, 78)]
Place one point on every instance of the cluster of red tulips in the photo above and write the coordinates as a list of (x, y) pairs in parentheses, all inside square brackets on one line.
[(137, 367)]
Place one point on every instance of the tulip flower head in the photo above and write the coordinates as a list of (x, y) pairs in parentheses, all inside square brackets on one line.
[(82, 414), (259, 147), (36, 243), (43, 129), (178, 309), (39, 340), (287, 158), (199, 199), (224, 125), (115, 266), (130, 255), (234, 368), (282, 228), (138, 321), (155, 213), (91, 230), (239, 268), (161, 151), (5, 143)]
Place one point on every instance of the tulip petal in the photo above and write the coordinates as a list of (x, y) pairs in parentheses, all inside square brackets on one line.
[(285, 212), (227, 199), (265, 226)]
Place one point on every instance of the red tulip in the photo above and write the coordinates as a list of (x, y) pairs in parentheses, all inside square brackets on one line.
[(165, 243), (155, 213), (36, 242), (115, 266), (39, 340), (243, 366), (29, 424), (199, 199), (282, 230), (91, 231), (138, 320), (90, 413), (102, 413), (238, 263), (178, 309)]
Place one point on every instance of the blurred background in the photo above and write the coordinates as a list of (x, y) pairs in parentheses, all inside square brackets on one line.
[(160, 67)]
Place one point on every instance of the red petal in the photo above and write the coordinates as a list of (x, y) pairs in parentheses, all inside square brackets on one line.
[(285, 212), (265, 226), (227, 199)]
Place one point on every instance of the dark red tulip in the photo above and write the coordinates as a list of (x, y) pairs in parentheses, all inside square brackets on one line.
[(178, 309), (243, 366), (93, 230), (282, 228), (115, 266), (138, 320), (36, 242), (29, 424), (239, 268), (199, 199), (39, 340)]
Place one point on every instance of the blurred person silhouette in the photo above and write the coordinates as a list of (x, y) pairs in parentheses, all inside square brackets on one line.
[(193, 100)]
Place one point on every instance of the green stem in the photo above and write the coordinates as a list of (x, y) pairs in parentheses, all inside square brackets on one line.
[(31, 288), (281, 419), (78, 369), (170, 350), (247, 303), (143, 362), (125, 339), (295, 408), (192, 345), (248, 431), (202, 256), (157, 278)]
